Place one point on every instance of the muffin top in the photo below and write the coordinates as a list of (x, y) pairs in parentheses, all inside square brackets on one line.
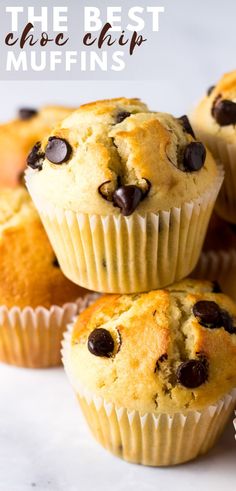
[(216, 113), (18, 136), (115, 156), (163, 351), (29, 272)]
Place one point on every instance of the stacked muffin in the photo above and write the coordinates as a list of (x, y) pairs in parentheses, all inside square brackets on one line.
[(214, 122), (126, 196), (18, 136), (36, 300)]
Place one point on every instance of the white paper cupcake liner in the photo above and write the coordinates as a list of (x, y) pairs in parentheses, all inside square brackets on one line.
[(226, 153), (219, 266), (155, 439), (117, 254), (32, 337)]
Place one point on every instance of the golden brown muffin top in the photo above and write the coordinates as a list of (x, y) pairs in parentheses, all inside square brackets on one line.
[(167, 350), (29, 272), (216, 113), (19, 135), (115, 156)]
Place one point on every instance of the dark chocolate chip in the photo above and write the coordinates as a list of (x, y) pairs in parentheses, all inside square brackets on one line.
[(100, 343), (56, 263), (27, 113), (210, 90), (146, 191), (58, 150), (194, 156), (216, 287), (35, 158), (192, 373), (105, 192), (208, 313), (227, 322), (224, 112), (127, 198), (187, 126), (122, 116)]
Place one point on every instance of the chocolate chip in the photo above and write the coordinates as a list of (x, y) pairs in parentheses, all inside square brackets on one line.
[(216, 287), (186, 125), (127, 198), (58, 150), (106, 190), (210, 90), (194, 156), (148, 187), (56, 263), (224, 112), (35, 158), (100, 343), (122, 116), (27, 113), (208, 313), (227, 322), (192, 373)]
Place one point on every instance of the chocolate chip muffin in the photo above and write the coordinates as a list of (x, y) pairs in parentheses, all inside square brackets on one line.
[(36, 300), (125, 195), (18, 136), (153, 371), (214, 122)]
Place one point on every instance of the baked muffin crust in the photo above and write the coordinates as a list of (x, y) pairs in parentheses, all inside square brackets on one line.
[(173, 350), (29, 272), (216, 112), (114, 146)]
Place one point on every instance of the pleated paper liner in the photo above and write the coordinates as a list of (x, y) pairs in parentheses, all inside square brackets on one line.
[(32, 338), (117, 254), (219, 266), (226, 153), (154, 439)]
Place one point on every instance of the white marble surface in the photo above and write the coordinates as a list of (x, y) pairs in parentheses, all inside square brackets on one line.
[(45, 445)]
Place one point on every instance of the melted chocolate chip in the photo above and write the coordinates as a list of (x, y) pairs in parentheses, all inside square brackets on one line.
[(58, 150), (127, 198), (227, 322), (27, 113), (208, 313), (194, 157), (105, 192), (192, 373), (100, 343), (35, 158), (210, 90), (187, 126), (122, 116), (146, 191), (224, 112)]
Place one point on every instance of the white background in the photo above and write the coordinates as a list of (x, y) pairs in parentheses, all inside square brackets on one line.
[(46, 446), (44, 443)]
